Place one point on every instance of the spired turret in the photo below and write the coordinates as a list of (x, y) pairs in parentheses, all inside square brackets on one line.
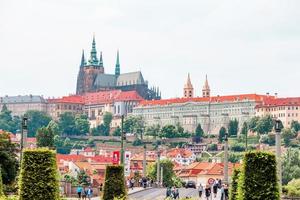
[(93, 58), (117, 69), (188, 90), (206, 88)]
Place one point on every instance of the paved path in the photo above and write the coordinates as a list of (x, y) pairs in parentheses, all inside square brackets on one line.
[(160, 194)]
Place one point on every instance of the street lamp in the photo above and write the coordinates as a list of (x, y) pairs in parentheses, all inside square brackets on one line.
[(278, 127), (24, 130), (226, 158), (123, 138)]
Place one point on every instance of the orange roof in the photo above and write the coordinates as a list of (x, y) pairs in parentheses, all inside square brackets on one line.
[(67, 157), (185, 153), (75, 99), (290, 101), (88, 149), (229, 98)]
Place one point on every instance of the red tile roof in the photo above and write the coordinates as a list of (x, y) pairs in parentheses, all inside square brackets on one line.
[(75, 99), (185, 153), (67, 157), (229, 98), (290, 101)]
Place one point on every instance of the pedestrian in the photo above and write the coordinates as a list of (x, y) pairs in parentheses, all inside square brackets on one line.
[(90, 192), (222, 192), (215, 188), (132, 183), (175, 193), (207, 191), (79, 191), (226, 192), (169, 192), (84, 193), (200, 190)]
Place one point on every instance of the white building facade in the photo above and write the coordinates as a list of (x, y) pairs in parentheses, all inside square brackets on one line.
[(211, 112)]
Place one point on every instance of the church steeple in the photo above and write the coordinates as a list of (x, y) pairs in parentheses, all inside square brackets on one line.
[(206, 88), (188, 90), (93, 58), (117, 69), (101, 60), (83, 62)]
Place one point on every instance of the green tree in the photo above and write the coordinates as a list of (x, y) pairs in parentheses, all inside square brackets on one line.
[(153, 130), (83, 178), (288, 135), (36, 120), (198, 134), (134, 124), (100, 130), (212, 147), (264, 125), (295, 125), (45, 137), (233, 127), (8, 161), (114, 186), (253, 123), (245, 129), (117, 131), (8, 122), (107, 118), (82, 124), (39, 175), (253, 182), (66, 123), (222, 133), (168, 173), (168, 131), (54, 127), (290, 165), (238, 147)]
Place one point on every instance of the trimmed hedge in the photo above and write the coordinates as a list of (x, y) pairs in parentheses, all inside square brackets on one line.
[(234, 184), (114, 186), (39, 176), (1, 185), (258, 179)]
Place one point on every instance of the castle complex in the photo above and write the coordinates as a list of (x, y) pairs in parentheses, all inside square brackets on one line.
[(92, 78)]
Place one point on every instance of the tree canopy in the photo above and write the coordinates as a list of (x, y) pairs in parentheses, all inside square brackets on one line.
[(8, 122), (233, 127), (45, 137), (222, 133), (36, 120), (290, 165)]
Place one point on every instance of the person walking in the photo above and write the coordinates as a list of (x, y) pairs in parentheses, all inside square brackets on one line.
[(207, 191), (168, 192), (222, 192), (84, 193), (200, 190), (90, 193), (226, 192), (132, 183), (79, 191), (215, 188)]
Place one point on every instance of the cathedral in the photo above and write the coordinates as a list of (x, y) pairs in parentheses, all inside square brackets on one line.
[(92, 78)]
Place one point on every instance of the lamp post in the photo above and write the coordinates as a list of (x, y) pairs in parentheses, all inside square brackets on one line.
[(24, 131), (144, 161), (158, 167), (123, 137), (278, 127), (226, 158)]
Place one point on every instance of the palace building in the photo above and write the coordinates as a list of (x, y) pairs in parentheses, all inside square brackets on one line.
[(92, 78)]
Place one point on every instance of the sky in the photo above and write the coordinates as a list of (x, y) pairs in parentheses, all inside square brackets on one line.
[(242, 46)]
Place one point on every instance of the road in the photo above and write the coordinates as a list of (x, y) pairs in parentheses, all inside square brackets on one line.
[(160, 194)]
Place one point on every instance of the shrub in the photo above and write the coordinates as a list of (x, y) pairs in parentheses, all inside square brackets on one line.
[(293, 188), (258, 178), (1, 185), (38, 176), (238, 147), (234, 184), (114, 186)]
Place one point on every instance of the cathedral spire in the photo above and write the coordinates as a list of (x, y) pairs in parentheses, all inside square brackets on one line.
[(101, 60), (188, 90), (83, 62), (117, 69), (93, 58), (206, 88)]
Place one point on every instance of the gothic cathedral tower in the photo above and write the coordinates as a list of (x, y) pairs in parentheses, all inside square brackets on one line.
[(188, 90), (89, 71), (206, 89)]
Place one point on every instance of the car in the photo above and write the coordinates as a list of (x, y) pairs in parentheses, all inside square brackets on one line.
[(190, 184)]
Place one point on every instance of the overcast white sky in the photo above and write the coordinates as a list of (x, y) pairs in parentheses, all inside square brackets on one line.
[(244, 46)]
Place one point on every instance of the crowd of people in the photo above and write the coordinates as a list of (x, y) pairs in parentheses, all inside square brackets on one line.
[(142, 182), (211, 190), (84, 193)]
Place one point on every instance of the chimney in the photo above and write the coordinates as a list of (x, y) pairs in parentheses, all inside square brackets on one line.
[(276, 95)]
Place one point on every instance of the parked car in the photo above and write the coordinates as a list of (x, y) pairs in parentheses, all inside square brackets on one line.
[(190, 184)]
